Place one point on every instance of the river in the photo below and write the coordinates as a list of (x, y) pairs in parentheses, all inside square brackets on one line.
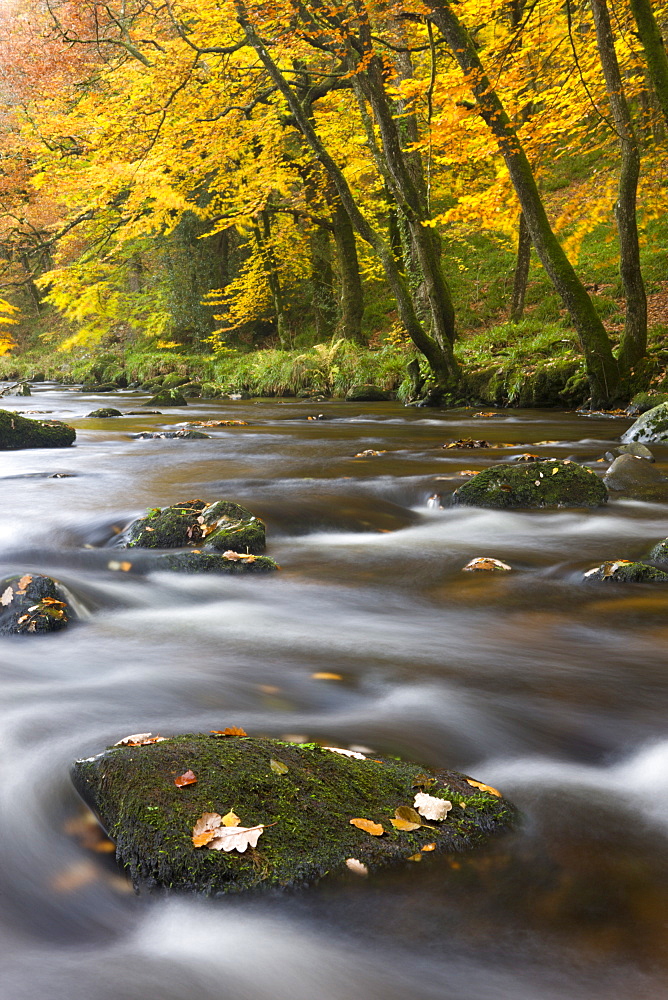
[(551, 689)]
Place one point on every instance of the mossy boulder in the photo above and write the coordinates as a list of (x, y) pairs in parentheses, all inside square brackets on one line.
[(303, 795), (21, 432), (660, 552), (91, 386), (33, 604), (166, 397), (105, 411), (633, 475), (550, 483), (644, 401), (191, 390), (215, 562), (625, 571), (650, 428), (173, 380), (367, 394), (218, 526)]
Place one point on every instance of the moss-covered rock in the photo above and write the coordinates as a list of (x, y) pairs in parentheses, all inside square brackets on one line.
[(21, 432), (633, 476), (33, 604), (644, 401), (625, 571), (166, 397), (651, 427), (173, 380), (367, 394), (550, 483), (660, 552), (105, 411), (215, 562), (91, 386), (220, 526), (303, 795), (191, 390)]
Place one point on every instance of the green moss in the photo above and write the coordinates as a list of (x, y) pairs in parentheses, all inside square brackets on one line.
[(660, 552), (306, 811), (623, 571), (20, 432), (224, 525), (172, 528), (33, 604), (214, 562), (537, 484)]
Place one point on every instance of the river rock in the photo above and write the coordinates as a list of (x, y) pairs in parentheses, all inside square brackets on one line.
[(549, 483), (220, 526), (32, 604), (650, 428), (105, 411), (183, 434), (625, 571), (632, 475), (660, 552), (367, 394), (301, 798), (644, 401), (215, 562), (21, 432), (166, 397), (173, 380)]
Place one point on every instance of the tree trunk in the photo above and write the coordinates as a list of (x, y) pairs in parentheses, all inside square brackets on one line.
[(634, 339), (655, 51), (263, 238), (351, 292), (601, 365), (440, 357), (521, 271)]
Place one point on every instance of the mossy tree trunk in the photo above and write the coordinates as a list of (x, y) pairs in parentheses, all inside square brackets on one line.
[(634, 339), (654, 48), (263, 238), (521, 275), (351, 294), (440, 356), (601, 365)]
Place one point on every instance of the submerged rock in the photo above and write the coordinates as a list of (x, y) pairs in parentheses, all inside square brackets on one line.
[(167, 397), (105, 411), (220, 526), (301, 797), (21, 432), (633, 475), (184, 435), (651, 427), (625, 571), (549, 483), (215, 562), (32, 604)]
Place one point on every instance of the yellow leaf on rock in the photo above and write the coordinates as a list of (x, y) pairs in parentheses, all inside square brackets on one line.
[(278, 767), (230, 819), (484, 788), (7, 597), (205, 828), (23, 584), (406, 819), (230, 731), (139, 740), (428, 847), (368, 825), (415, 857)]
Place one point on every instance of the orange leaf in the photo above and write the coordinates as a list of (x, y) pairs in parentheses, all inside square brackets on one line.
[(206, 828), (187, 778), (368, 825), (428, 847), (139, 740), (484, 788), (230, 731)]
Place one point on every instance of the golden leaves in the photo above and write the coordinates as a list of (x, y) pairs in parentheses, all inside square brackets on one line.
[(486, 564), (484, 788), (139, 740), (406, 819), (230, 731), (278, 767), (223, 833), (368, 825), (187, 778)]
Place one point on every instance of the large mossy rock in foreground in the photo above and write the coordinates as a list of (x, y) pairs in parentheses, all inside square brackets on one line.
[(536, 484), (20, 432), (651, 427), (218, 526), (33, 604), (303, 795)]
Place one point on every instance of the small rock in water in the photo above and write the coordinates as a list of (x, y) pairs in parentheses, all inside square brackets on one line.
[(548, 483), (20, 432), (626, 571), (183, 435), (486, 564), (308, 808), (633, 475), (105, 411), (218, 526), (32, 604)]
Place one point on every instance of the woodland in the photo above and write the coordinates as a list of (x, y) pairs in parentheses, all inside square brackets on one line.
[(451, 200)]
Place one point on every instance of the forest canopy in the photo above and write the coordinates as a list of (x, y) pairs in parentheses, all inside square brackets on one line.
[(225, 172)]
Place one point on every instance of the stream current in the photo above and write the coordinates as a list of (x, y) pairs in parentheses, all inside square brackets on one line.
[(551, 689)]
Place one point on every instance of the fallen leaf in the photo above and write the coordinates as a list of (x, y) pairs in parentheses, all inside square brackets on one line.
[(187, 778), (52, 600), (415, 857), (23, 584), (431, 807), (346, 753), (325, 675), (139, 740), (230, 731), (556, 470), (278, 767), (368, 825), (236, 838), (231, 819), (7, 597), (486, 563), (484, 788), (123, 566), (428, 847), (205, 829), (357, 866), (406, 819)]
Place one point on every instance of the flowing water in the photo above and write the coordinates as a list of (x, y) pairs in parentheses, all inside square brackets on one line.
[(533, 681)]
